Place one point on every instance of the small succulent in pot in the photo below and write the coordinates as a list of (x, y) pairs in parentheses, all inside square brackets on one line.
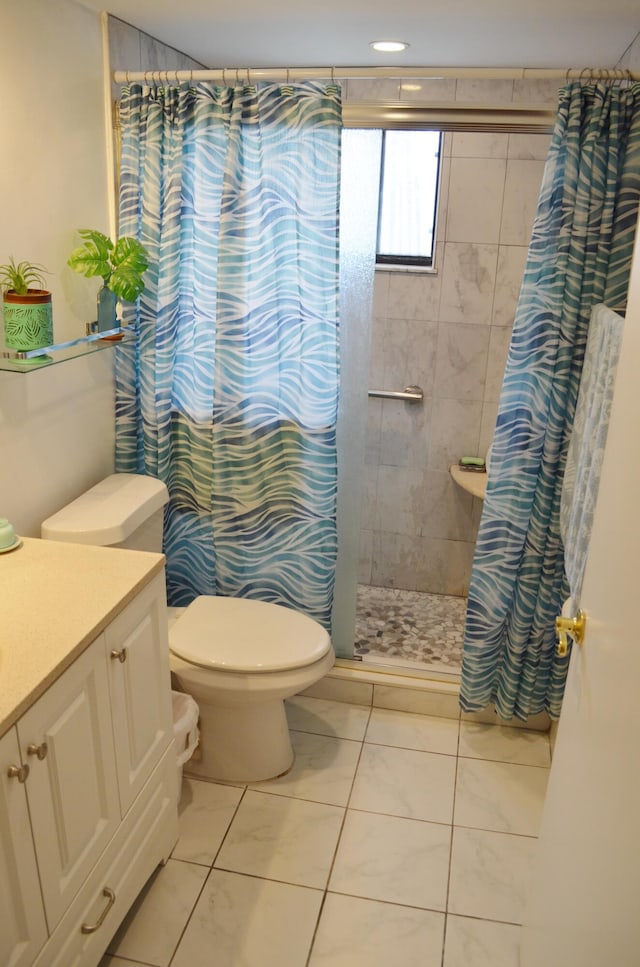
[(28, 323)]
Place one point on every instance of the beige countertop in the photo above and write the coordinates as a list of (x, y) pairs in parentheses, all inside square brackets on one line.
[(55, 599), (473, 482)]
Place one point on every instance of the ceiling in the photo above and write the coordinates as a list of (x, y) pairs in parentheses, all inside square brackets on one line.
[(445, 33)]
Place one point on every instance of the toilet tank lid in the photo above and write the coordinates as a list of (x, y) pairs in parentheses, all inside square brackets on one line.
[(109, 512)]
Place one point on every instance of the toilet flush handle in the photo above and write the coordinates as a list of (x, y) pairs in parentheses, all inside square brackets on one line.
[(120, 654)]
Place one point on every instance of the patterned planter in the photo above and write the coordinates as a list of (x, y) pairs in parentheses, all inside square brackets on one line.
[(28, 321)]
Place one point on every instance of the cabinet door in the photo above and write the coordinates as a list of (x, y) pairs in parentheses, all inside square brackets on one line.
[(66, 739), (22, 925), (139, 679)]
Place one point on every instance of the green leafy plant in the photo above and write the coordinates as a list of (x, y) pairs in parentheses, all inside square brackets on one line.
[(22, 277), (120, 266)]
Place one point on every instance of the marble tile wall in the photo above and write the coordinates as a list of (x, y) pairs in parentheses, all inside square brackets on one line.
[(447, 331), (631, 57), (132, 49)]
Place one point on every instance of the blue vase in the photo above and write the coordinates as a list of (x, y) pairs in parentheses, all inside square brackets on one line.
[(107, 302)]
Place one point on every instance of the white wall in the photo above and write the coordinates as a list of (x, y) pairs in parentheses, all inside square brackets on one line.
[(56, 425)]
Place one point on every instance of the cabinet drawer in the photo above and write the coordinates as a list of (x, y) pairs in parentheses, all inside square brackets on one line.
[(146, 837)]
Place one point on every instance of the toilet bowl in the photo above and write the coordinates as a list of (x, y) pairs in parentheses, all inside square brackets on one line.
[(239, 658)]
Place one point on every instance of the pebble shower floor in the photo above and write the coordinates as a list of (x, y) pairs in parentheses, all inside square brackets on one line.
[(411, 627)]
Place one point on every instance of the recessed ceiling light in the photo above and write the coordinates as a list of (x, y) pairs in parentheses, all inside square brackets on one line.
[(388, 46)]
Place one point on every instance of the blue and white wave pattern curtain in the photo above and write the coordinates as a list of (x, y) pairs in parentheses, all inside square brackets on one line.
[(229, 393), (580, 255)]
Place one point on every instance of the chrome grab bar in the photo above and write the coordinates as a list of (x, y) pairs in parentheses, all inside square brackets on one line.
[(410, 394)]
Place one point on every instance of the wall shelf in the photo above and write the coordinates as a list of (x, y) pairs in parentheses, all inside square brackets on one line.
[(37, 359), (474, 483)]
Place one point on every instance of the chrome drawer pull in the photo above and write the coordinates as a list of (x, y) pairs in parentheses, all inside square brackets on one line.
[(18, 772), (92, 927), (120, 655), (39, 750)]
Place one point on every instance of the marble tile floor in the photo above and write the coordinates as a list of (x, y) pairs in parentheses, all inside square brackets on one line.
[(395, 838), (410, 627)]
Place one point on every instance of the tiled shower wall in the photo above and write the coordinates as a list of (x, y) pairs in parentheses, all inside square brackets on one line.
[(447, 331), (131, 49)]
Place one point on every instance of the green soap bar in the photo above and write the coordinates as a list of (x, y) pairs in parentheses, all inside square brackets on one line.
[(471, 462)]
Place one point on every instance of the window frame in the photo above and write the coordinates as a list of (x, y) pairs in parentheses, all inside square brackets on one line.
[(422, 262)]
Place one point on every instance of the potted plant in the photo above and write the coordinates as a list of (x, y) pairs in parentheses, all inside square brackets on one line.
[(120, 265), (28, 321)]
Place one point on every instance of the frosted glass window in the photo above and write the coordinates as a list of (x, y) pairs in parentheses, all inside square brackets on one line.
[(408, 197)]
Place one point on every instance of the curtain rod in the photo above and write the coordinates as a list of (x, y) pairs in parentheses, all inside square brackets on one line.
[(249, 75)]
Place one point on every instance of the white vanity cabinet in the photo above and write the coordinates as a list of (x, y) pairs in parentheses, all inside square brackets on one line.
[(97, 811)]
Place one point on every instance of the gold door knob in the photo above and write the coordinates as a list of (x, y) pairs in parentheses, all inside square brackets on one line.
[(570, 628)]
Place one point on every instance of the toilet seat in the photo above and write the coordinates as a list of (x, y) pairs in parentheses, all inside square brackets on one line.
[(242, 635)]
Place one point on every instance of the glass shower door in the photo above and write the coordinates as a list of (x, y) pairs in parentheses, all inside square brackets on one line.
[(360, 177)]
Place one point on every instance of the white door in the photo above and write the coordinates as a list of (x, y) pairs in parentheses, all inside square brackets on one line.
[(585, 901)]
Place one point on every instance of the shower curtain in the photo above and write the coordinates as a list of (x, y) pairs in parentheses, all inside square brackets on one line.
[(580, 255), (229, 391)]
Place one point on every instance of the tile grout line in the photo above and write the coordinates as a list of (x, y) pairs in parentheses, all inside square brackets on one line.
[(453, 807), (206, 880), (337, 846)]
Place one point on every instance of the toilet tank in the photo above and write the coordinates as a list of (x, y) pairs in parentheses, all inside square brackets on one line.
[(123, 510)]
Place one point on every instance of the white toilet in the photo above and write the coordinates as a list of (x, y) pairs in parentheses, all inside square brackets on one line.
[(239, 658)]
